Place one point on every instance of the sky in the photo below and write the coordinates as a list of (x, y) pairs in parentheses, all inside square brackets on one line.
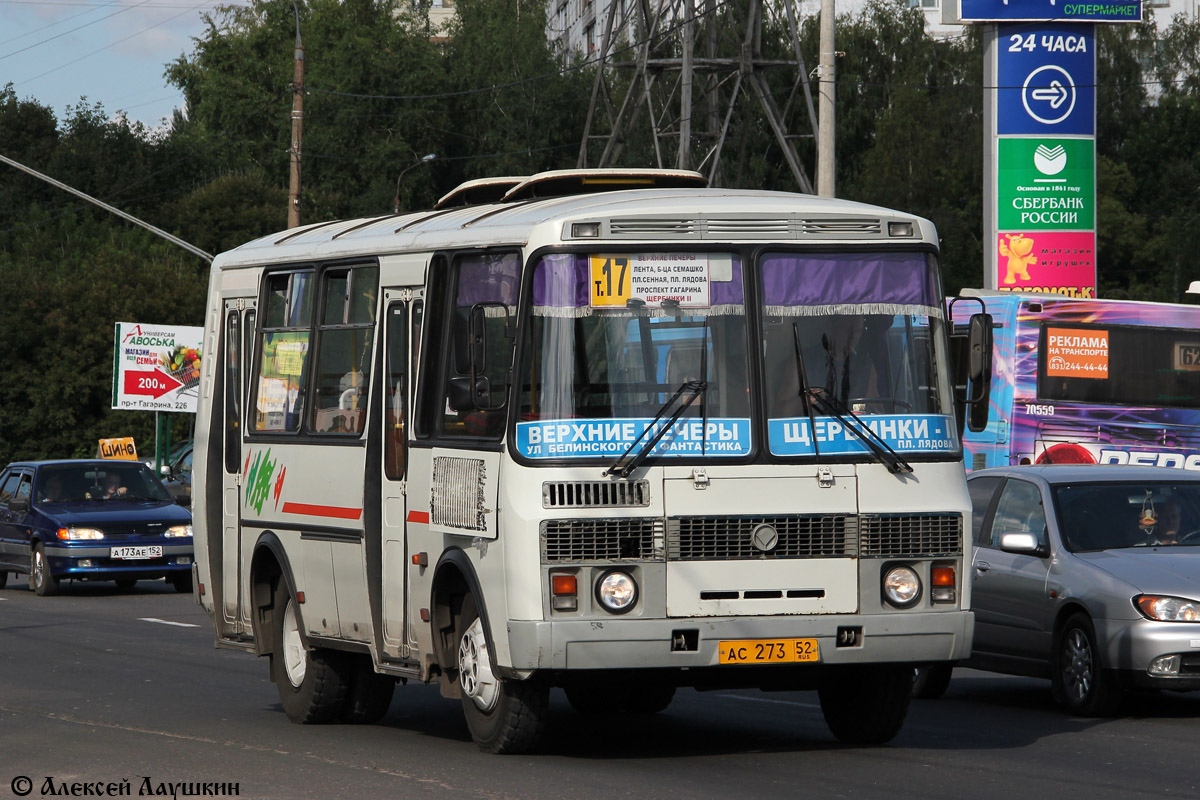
[(113, 52)]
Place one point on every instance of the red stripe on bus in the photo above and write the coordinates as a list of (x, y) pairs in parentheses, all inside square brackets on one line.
[(419, 516), (337, 512)]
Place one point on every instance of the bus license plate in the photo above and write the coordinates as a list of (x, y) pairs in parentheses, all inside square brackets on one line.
[(768, 651), (144, 551)]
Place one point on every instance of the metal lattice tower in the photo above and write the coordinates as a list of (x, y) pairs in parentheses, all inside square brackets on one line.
[(686, 66)]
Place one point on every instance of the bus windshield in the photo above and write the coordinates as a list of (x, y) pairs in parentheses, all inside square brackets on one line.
[(865, 333), (602, 360), (601, 363)]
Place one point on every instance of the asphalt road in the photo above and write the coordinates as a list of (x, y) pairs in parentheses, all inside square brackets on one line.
[(113, 690)]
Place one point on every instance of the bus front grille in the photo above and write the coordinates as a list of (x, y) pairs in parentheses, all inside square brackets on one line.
[(734, 538), (910, 535), (595, 494), (622, 539)]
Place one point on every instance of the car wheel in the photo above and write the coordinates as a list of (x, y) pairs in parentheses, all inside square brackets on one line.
[(930, 681), (182, 581), (866, 705), (1081, 683), (504, 716), (311, 683), (41, 581), (125, 584), (3, 579)]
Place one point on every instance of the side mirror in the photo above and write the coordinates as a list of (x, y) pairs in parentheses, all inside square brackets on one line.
[(1021, 542), (165, 470), (979, 370), (466, 394), (477, 353)]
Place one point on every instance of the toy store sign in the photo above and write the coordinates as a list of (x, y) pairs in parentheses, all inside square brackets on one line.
[(156, 367)]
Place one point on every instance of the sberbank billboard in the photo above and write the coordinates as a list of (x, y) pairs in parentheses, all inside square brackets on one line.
[(1040, 140)]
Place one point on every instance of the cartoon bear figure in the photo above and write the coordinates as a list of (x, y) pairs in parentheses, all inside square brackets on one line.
[(1017, 250)]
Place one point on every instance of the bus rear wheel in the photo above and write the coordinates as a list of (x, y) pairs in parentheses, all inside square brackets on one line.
[(311, 683), (504, 716), (867, 705)]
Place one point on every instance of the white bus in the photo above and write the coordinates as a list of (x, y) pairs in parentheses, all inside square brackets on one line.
[(606, 431)]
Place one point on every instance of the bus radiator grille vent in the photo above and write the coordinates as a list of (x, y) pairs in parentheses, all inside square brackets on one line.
[(733, 538), (576, 540), (595, 494), (840, 227), (641, 228), (457, 497), (910, 535)]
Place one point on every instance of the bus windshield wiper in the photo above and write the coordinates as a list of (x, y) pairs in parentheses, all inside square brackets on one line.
[(828, 404), (685, 395)]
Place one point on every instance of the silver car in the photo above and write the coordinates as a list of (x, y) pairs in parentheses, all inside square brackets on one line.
[(1088, 576)]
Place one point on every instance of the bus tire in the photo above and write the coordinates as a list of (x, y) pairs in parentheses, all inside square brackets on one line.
[(311, 683), (41, 580), (504, 716), (369, 695), (866, 705), (930, 681), (1080, 681)]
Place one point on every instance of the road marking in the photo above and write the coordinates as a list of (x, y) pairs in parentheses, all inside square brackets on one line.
[(166, 622), (769, 700)]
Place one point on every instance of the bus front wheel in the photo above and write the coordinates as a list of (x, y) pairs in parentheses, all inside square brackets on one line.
[(311, 683), (504, 716), (866, 705)]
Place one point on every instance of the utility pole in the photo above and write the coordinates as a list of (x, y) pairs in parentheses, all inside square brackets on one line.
[(297, 127), (826, 87)]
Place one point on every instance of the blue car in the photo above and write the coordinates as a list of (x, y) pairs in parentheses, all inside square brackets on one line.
[(91, 520)]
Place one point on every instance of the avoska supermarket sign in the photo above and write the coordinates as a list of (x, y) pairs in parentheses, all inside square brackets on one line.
[(156, 367)]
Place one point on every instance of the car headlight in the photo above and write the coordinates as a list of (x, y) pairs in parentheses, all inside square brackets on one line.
[(179, 531), (902, 586), (74, 534), (1163, 608), (617, 592)]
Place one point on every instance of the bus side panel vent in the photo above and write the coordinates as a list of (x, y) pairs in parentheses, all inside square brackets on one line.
[(595, 494), (458, 493)]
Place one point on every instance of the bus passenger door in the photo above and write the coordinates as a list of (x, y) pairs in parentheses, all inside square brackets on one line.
[(238, 332), (402, 324)]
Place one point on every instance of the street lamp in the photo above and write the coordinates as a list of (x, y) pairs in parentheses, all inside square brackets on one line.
[(423, 159)]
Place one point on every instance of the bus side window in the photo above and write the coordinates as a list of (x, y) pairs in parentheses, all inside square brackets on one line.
[(394, 455), (490, 280), (343, 365), (283, 350)]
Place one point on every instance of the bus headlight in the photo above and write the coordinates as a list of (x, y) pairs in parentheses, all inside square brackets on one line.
[(617, 591), (901, 586)]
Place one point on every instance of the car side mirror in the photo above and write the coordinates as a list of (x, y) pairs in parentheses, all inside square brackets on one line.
[(1022, 542), (165, 470)]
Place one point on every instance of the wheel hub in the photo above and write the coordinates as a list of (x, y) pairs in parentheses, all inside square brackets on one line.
[(475, 668), (1077, 665), (295, 662)]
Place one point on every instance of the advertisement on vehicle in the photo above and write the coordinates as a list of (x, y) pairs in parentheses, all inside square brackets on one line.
[(156, 367)]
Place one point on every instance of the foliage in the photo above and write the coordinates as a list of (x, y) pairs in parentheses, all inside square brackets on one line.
[(491, 98)]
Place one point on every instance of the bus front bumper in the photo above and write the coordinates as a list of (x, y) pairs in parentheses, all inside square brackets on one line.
[(587, 644)]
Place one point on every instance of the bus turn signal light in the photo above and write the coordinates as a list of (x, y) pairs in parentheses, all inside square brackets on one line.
[(564, 592), (944, 583)]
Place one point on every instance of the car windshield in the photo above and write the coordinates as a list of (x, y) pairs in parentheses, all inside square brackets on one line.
[(1104, 516), (76, 483)]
